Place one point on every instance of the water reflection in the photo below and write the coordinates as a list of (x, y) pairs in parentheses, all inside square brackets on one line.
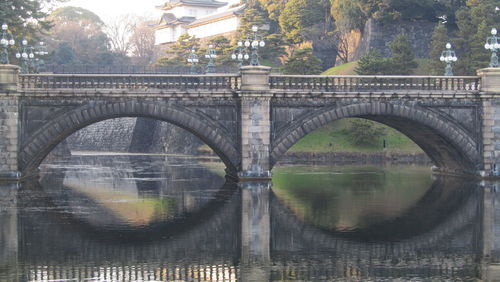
[(137, 218)]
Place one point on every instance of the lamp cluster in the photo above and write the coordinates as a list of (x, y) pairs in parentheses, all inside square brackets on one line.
[(253, 42), (211, 55), (448, 56), (493, 45), (26, 54)]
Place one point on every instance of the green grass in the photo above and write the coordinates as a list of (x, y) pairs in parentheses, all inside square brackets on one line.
[(348, 68), (332, 138), (344, 69)]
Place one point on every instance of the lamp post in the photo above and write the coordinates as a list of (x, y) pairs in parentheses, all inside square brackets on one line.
[(257, 41), (193, 60), (448, 56), (40, 51), (25, 54), (240, 54), (211, 55), (6, 40), (493, 45)]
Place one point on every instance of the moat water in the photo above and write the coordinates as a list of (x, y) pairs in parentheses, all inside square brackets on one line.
[(173, 218)]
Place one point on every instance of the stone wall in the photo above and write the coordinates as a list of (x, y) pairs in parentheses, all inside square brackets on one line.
[(379, 36), (8, 131)]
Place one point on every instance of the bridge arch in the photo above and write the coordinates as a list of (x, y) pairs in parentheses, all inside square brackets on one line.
[(446, 143), (44, 140)]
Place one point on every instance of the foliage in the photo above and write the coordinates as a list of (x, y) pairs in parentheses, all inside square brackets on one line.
[(224, 50), (402, 61), (403, 58), (81, 31), (179, 51), (474, 22), (297, 16), (352, 14), (302, 62), (26, 18), (373, 64), (364, 132), (438, 44)]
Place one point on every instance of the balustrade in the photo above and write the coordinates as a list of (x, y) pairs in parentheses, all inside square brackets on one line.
[(117, 81), (364, 83)]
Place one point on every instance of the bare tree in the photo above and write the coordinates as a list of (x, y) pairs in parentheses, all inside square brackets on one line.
[(343, 50), (142, 43), (119, 31)]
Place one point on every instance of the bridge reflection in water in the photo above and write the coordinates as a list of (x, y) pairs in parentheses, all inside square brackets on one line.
[(160, 226)]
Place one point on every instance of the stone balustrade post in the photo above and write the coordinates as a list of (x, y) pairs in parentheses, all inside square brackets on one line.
[(255, 99), (9, 109)]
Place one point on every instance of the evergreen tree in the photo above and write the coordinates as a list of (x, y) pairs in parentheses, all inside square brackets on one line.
[(302, 62), (373, 64), (26, 18), (179, 52), (403, 58), (438, 44), (297, 16)]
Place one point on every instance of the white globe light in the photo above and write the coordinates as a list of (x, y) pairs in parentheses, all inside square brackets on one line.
[(24, 42), (441, 59), (192, 51), (455, 58), (41, 43), (190, 60), (233, 56), (247, 43), (448, 45), (4, 41), (210, 46), (18, 55), (246, 57), (240, 43), (5, 26), (207, 56), (255, 28), (494, 31), (196, 61), (240, 56), (486, 46), (12, 42), (24, 55), (497, 46), (31, 55), (213, 56), (255, 43), (262, 43)]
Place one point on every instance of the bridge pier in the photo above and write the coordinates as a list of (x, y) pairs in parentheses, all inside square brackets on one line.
[(490, 95), (255, 100), (9, 109)]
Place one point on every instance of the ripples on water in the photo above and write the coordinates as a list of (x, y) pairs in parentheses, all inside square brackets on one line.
[(142, 218)]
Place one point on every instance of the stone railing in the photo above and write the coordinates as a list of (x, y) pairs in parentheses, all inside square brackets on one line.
[(366, 83), (228, 82)]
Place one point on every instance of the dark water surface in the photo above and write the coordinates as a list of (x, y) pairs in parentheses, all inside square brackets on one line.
[(157, 218)]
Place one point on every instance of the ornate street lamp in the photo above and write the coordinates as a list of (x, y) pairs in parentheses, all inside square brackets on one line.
[(493, 45), (40, 51), (193, 60), (6, 40), (448, 56), (255, 43), (211, 55), (26, 55), (240, 54)]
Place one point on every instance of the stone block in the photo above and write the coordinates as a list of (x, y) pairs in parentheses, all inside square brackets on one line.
[(490, 80)]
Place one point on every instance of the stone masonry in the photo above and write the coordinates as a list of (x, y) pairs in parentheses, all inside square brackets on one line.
[(9, 122), (252, 121)]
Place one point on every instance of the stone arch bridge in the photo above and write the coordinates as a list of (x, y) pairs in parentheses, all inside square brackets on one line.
[(251, 119)]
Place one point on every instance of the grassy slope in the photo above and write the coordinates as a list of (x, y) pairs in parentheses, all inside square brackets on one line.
[(332, 138)]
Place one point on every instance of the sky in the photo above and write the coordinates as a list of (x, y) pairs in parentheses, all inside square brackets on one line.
[(108, 9)]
